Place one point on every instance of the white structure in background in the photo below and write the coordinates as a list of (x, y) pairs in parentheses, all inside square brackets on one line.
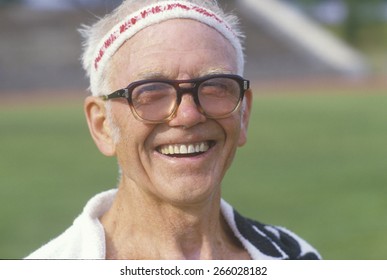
[(292, 27)]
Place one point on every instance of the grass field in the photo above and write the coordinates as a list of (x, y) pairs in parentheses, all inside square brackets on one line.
[(316, 164)]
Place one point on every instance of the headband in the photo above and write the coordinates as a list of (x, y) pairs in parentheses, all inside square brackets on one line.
[(153, 14)]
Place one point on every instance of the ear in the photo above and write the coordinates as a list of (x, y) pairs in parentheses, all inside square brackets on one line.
[(100, 131), (248, 99)]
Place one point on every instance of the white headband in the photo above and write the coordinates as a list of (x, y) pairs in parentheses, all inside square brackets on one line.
[(150, 15)]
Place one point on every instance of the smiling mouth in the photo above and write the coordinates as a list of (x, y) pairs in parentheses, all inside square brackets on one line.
[(185, 150)]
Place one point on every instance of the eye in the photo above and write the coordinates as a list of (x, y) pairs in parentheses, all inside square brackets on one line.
[(152, 92), (153, 98), (151, 88), (219, 88)]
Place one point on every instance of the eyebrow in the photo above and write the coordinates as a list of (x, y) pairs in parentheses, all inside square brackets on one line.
[(156, 74), (150, 74), (215, 71)]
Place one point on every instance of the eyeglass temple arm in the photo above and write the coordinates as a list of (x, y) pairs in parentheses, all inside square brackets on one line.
[(117, 94)]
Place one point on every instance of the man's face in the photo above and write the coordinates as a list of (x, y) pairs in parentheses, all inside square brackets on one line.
[(175, 49)]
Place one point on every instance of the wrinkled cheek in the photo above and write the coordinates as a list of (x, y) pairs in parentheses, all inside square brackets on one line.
[(230, 159), (129, 162), (233, 143)]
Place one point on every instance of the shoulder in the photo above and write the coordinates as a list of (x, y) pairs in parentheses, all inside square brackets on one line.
[(61, 247), (84, 239), (264, 241)]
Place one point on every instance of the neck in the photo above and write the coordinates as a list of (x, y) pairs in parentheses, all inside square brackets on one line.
[(143, 227)]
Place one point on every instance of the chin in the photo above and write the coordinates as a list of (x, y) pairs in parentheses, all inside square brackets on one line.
[(189, 194)]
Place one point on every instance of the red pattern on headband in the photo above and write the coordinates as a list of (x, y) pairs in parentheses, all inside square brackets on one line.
[(143, 15)]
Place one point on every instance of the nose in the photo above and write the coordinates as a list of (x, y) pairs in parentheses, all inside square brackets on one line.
[(188, 113)]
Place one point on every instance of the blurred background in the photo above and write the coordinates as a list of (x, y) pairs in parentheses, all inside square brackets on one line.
[(316, 158)]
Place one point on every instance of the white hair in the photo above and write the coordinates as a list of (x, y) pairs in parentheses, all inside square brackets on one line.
[(94, 34)]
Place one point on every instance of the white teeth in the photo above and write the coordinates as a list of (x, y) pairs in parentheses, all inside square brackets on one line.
[(182, 149), (191, 149)]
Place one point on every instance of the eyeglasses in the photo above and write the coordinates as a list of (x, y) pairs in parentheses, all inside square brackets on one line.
[(157, 100)]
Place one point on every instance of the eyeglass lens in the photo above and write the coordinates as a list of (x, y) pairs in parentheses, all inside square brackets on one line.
[(154, 101)]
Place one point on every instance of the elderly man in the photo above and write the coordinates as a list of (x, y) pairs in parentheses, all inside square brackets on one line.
[(169, 102)]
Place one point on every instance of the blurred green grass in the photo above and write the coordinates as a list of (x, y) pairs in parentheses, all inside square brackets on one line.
[(315, 164)]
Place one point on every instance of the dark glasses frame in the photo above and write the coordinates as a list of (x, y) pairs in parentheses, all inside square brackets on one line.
[(126, 93)]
